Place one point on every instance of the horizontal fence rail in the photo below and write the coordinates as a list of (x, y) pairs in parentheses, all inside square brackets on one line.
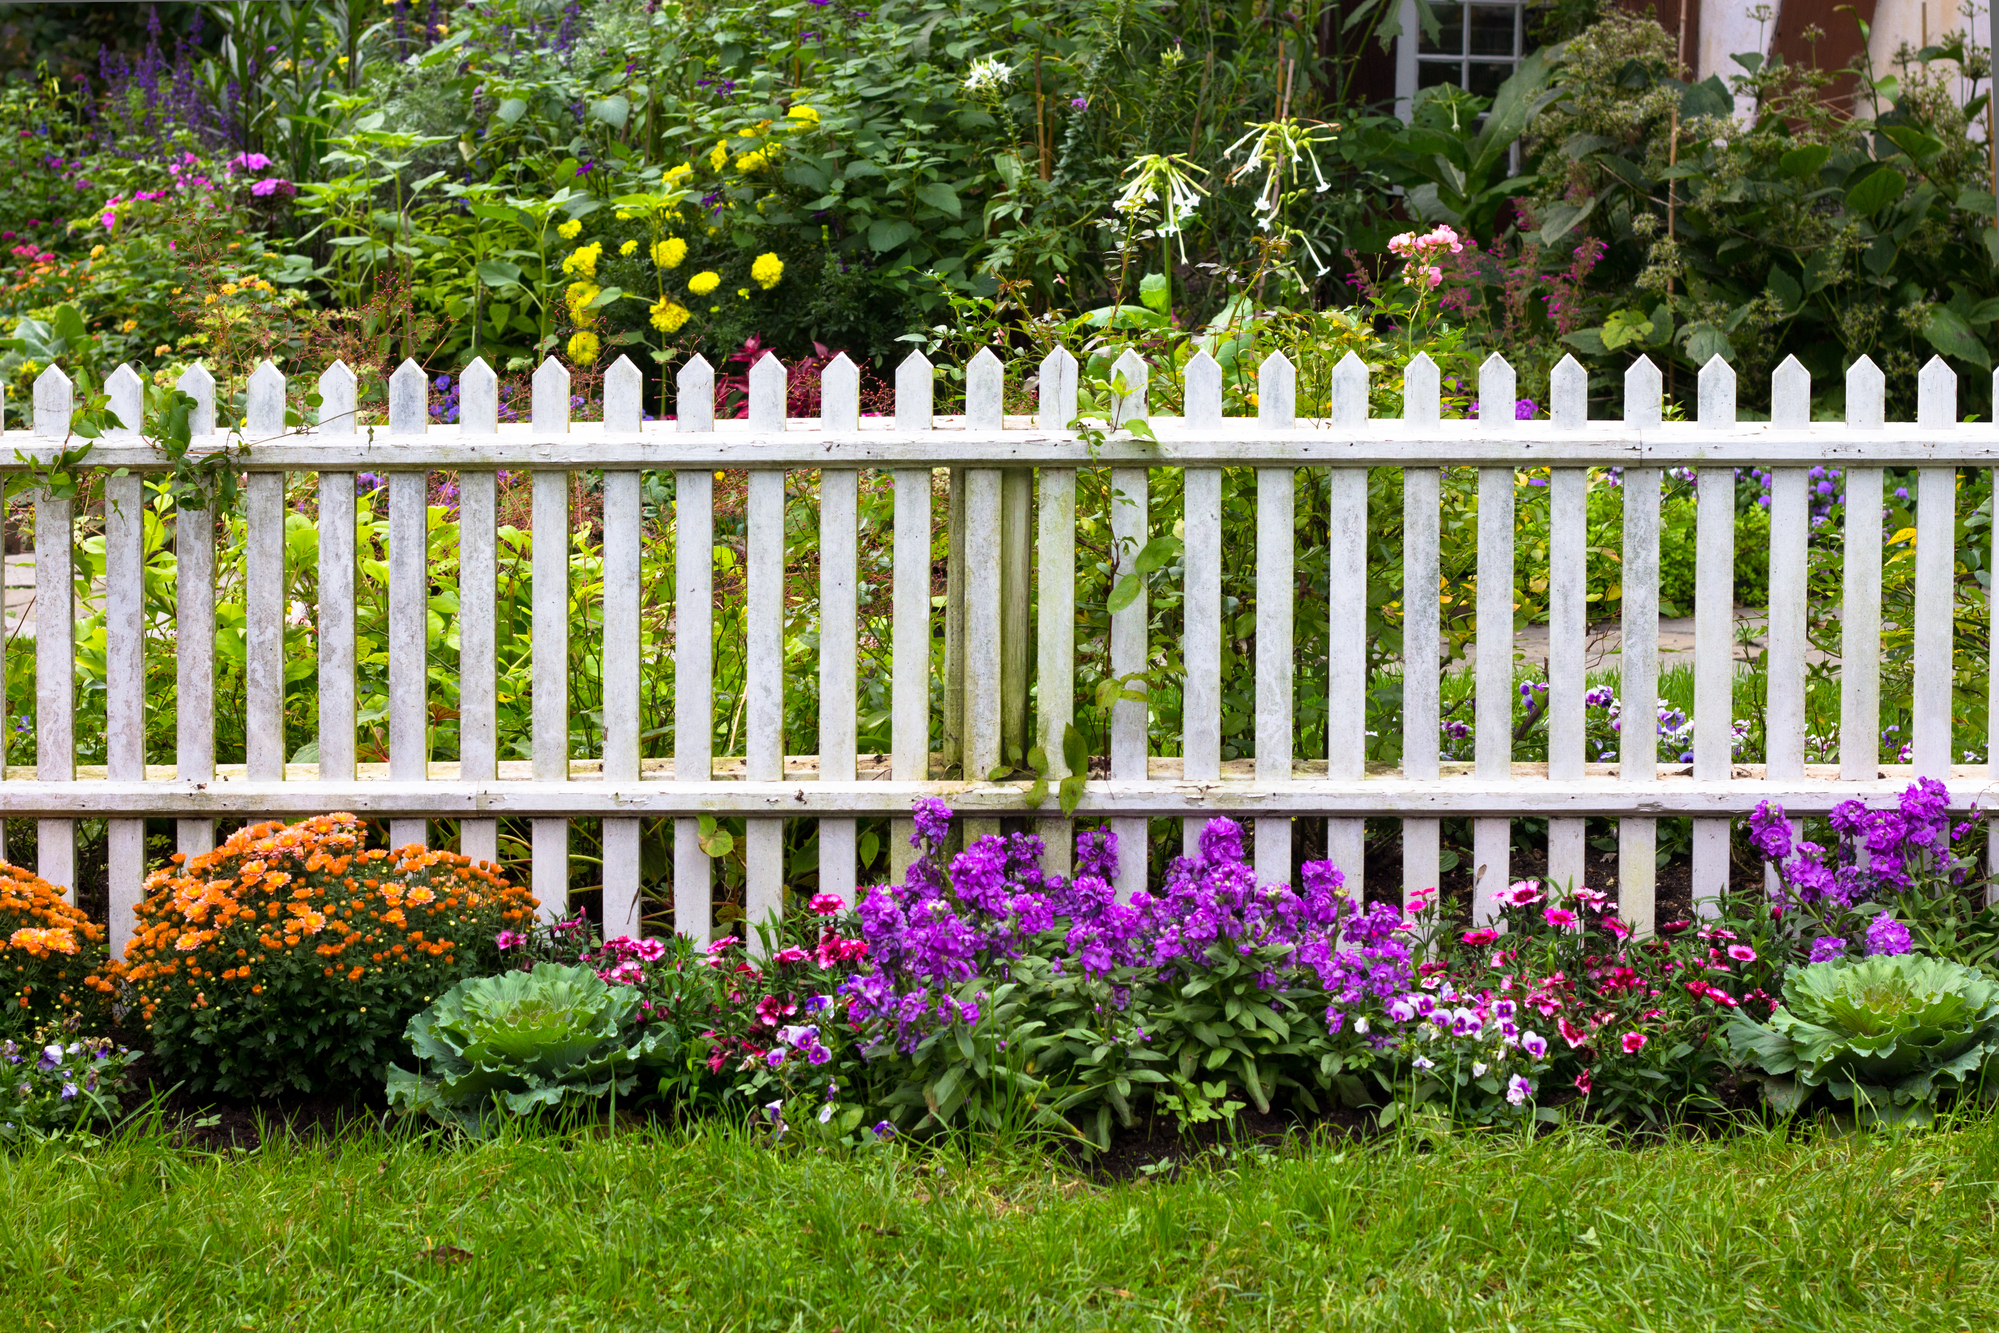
[(1010, 657)]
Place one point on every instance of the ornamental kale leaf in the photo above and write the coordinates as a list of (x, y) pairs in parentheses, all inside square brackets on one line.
[(522, 1042)]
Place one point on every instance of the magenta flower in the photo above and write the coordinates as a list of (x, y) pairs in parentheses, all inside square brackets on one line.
[(1518, 1089), (1742, 953), (1583, 1083), (1520, 894), (508, 939), (827, 904), (1633, 1042), (1560, 917)]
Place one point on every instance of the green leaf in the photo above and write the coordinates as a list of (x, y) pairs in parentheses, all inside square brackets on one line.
[(1158, 553), (1950, 334), (1785, 288), (499, 273), (1125, 593), (1912, 141), (940, 197), (1876, 191), (511, 111), (612, 111), (887, 233), (1154, 291), (1709, 97), (1070, 793), (1561, 219), (1806, 161)]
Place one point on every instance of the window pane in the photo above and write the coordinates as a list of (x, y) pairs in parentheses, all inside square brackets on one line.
[(1451, 38), (1486, 77), (1492, 28), (1430, 73)]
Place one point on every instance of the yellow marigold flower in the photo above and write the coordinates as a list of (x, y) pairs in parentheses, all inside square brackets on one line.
[(189, 940), (669, 252), (718, 156), (584, 261), (684, 169), (129, 325), (35, 939), (804, 117), (163, 349), (755, 161), (570, 230), (743, 292), (583, 347), (96, 250), (579, 295), (628, 247), (768, 270), (668, 316), (228, 289), (704, 282)]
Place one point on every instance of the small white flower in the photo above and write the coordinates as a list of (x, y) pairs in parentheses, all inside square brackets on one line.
[(1360, 1026), (987, 74), (1478, 1069)]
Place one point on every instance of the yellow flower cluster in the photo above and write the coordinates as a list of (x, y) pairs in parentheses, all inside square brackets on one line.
[(675, 173), (669, 252), (668, 315), (583, 347), (43, 941), (756, 160), (628, 248), (569, 230), (768, 270), (579, 295), (802, 117), (584, 261), (703, 283), (718, 156)]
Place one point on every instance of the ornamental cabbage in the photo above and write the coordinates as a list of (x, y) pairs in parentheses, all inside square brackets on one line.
[(521, 1042), (1881, 1032)]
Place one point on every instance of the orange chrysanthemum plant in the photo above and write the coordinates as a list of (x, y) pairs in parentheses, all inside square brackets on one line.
[(53, 961), (292, 957)]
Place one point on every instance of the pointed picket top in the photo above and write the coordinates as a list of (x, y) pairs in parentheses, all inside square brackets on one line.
[(1277, 392), (1568, 394), (336, 399), (1421, 387), (1497, 392), (1866, 396), (55, 400), (1716, 395), (1203, 378), (767, 389), (1348, 395), (264, 402), (1791, 395), (985, 392), (550, 404), (127, 393), (1058, 390), (840, 396), (1130, 405), (409, 399), (1642, 390), (624, 397), (1936, 396), (479, 398), (915, 386), (694, 395)]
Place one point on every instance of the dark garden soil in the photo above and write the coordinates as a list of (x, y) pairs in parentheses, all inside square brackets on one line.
[(212, 1123)]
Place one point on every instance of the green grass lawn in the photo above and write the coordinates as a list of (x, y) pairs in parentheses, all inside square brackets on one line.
[(710, 1230)]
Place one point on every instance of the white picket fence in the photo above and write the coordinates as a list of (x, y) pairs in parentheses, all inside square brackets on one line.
[(995, 462)]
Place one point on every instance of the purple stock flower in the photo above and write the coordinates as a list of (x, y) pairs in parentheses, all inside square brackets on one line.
[(1887, 936), (933, 823), (1826, 948)]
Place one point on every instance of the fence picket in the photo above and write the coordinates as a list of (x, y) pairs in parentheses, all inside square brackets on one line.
[(335, 611), (1055, 648), (1492, 738), (1201, 521), (1936, 559), (1638, 657), (839, 609), (1346, 600), (693, 649), (55, 639), (125, 660), (264, 587), (409, 602), (624, 412), (1130, 530), (1276, 547), (1784, 706), (1860, 600), (1422, 641), (1568, 623), (1714, 636), (478, 608), (549, 681), (194, 633), (763, 752)]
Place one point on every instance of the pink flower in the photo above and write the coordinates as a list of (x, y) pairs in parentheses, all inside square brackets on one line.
[(1742, 953), (1520, 894), (248, 162), (271, 185), (794, 954), (1560, 917), (1478, 939), (1633, 1042), (1583, 1083), (1617, 927), (508, 939), (826, 904), (1590, 898), (1571, 1034)]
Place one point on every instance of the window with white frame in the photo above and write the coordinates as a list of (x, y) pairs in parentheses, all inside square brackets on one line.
[(1477, 47)]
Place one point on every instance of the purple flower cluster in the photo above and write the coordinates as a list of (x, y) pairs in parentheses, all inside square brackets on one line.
[(1880, 852), (1888, 936), (935, 930)]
